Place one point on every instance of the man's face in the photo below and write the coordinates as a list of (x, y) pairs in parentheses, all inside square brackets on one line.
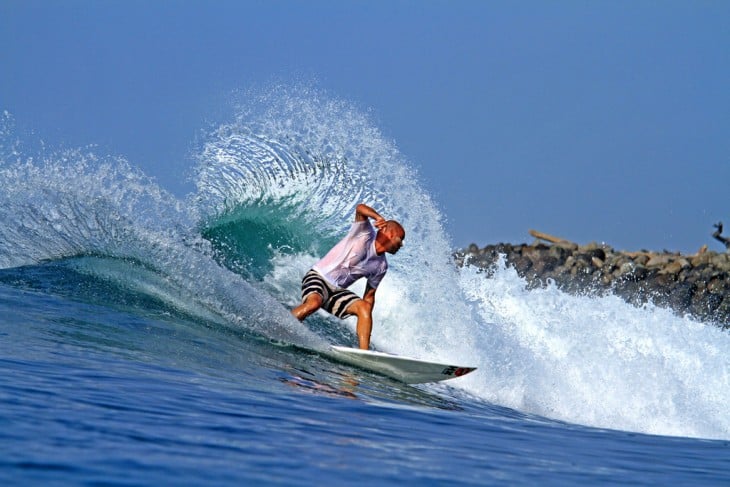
[(395, 241)]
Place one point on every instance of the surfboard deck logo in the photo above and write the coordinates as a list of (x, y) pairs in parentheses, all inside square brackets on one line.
[(405, 369)]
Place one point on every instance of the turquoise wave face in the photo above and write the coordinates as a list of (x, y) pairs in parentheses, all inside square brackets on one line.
[(247, 238)]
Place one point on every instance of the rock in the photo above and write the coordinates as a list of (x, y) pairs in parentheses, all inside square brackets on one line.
[(718, 285), (670, 268), (702, 259), (632, 272), (720, 260), (559, 252), (521, 264), (680, 297), (545, 265), (658, 260), (597, 253), (705, 304), (722, 313), (697, 284), (569, 246)]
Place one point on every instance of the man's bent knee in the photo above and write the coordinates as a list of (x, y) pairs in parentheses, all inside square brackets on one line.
[(360, 308), (310, 304), (315, 300)]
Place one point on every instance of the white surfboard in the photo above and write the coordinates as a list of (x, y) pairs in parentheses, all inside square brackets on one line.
[(404, 369)]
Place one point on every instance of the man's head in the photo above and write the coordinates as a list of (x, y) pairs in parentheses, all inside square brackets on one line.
[(391, 236)]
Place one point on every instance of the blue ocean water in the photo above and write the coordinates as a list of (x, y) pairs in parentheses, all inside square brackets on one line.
[(146, 339)]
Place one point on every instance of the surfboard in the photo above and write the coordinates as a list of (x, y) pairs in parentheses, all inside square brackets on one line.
[(405, 369)]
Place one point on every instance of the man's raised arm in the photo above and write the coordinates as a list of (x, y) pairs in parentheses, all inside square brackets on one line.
[(363, 212)]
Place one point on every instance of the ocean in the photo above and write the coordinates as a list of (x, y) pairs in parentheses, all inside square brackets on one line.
[(146, 339)]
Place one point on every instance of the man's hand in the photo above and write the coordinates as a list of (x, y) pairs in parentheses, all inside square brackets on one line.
[(363, 212)]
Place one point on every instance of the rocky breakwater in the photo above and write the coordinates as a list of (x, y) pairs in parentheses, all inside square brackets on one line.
[(697, 285)]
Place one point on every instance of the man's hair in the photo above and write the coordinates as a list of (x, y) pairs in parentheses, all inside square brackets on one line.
[(393, 226)]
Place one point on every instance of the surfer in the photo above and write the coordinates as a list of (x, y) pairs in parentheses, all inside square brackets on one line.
[(360, 254)]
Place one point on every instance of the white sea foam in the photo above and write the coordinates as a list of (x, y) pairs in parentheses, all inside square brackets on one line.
[(597, 360)]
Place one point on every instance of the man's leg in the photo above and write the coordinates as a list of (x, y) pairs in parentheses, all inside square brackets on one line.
[(310, 304), (363, 310)]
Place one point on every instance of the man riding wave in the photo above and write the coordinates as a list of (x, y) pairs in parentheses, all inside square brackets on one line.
[(360, 254)]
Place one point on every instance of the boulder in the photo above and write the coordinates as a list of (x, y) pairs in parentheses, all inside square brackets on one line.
[(697, 284)]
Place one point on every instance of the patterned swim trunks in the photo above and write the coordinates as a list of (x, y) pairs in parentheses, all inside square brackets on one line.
[(334, 300)]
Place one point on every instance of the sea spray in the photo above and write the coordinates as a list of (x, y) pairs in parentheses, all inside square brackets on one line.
[(305, 157), (597, 360), (73, 204)]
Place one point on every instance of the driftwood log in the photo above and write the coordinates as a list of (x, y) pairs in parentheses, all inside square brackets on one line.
[(546, 237)]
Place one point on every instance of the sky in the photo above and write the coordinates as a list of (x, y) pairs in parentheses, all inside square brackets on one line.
[(590, 120)]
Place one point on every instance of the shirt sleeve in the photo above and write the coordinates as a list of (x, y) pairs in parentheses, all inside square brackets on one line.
[(374, 281)]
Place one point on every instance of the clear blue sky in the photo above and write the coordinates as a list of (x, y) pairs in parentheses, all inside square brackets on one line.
[(592, 120)]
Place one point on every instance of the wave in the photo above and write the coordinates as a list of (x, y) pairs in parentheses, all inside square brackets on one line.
[(594, 361), (74, 204), (598, 360), (277, 186)]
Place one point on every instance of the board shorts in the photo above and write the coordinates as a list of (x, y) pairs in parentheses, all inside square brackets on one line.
[(334, 300)]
